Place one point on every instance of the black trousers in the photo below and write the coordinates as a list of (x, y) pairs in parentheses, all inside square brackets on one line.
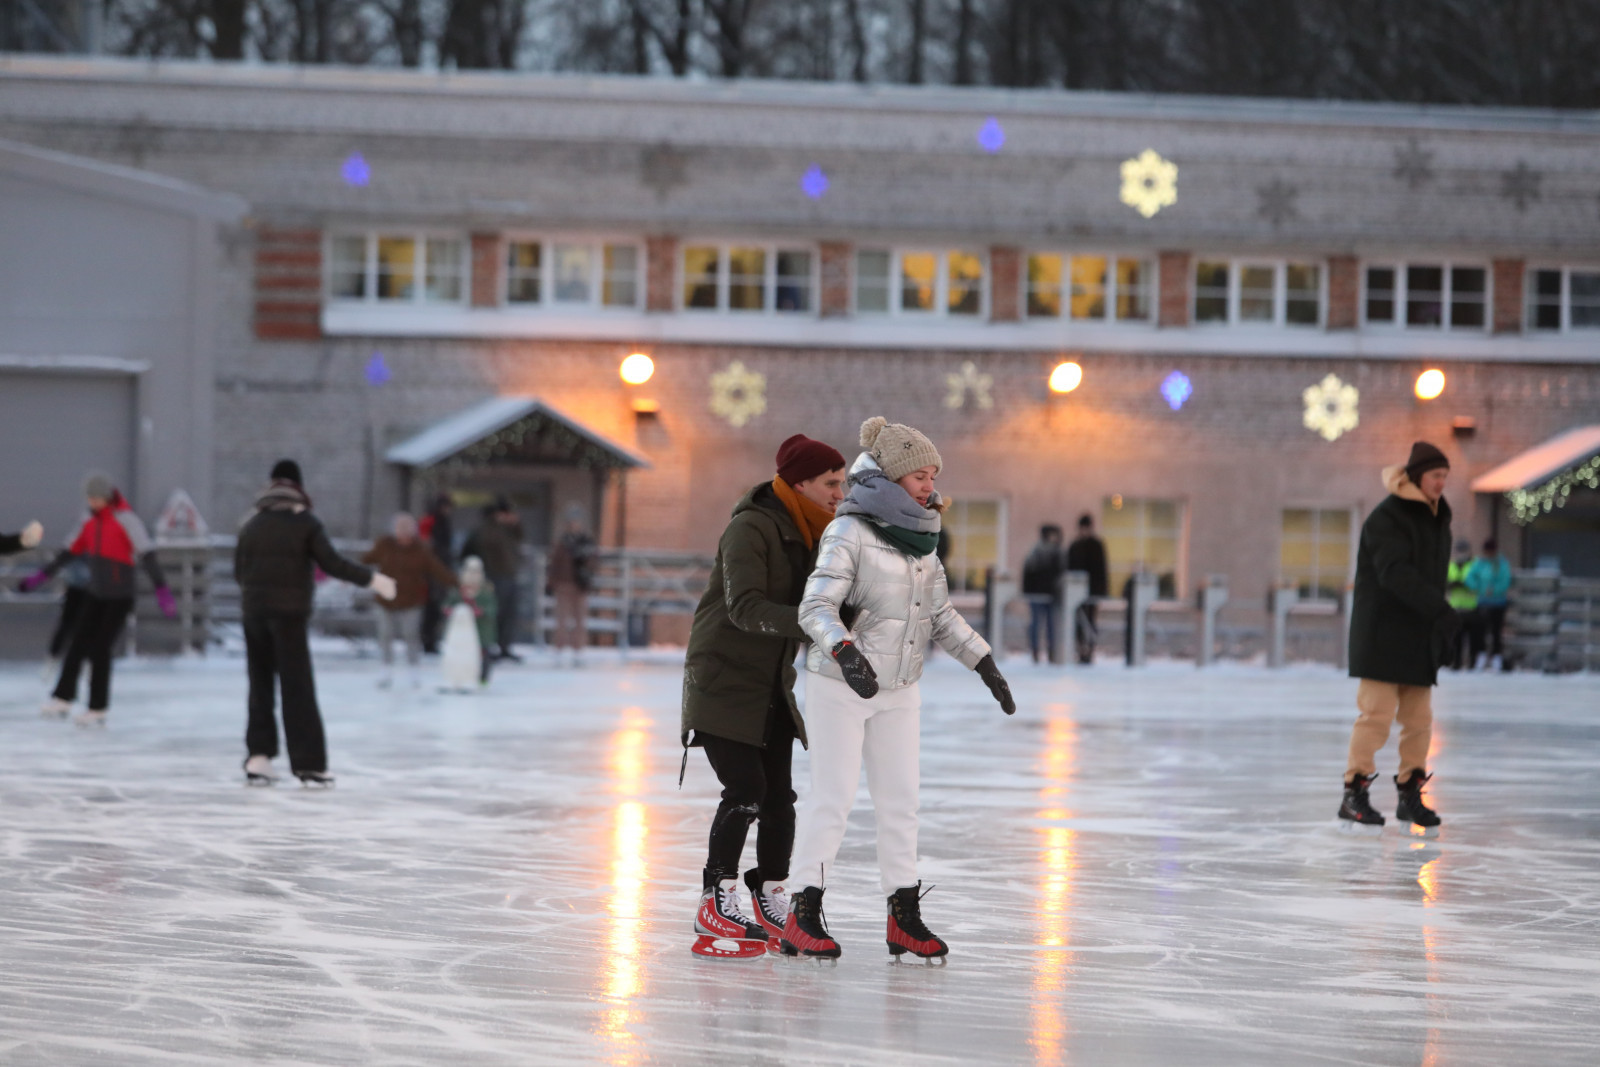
[(99, 624), (1494, 620), (279, 656), (757, 785), (432, 620), (505, 595), (71, 610), (1085, 628)]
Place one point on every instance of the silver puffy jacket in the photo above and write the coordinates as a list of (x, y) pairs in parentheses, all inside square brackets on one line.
[(900, 601)]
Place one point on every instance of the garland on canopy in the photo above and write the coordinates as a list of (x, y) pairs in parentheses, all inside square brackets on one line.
[(1529, 504)]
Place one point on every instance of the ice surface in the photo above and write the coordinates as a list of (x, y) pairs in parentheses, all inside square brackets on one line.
[(1140, 868)]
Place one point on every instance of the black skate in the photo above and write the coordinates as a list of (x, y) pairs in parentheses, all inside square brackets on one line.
[(1411, 809), (315, 779), (805, 934), (1356, 812), (908, 933)]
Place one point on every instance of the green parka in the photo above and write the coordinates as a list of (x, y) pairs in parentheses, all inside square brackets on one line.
[(1397, 623), (746, 630)]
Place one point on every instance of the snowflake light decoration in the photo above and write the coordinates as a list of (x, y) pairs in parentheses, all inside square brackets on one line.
[(377, 371), (738, 393), (1149, 183), (1176, 389), (814, 182), (968, 381), (1331, 408), (355, 170), (991, 137)]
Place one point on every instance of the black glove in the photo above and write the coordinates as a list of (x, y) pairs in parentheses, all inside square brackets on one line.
[(997, 684), (1449, 626), (858, 673)]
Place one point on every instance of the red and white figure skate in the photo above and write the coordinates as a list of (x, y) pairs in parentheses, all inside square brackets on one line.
[(804, 933), (770, 904), (726, 932), (908, 933)]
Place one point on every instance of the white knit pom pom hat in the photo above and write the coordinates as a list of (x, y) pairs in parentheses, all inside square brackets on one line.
[(896, 448)]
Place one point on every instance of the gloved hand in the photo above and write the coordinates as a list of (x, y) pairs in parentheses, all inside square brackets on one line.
[(382, 585), (1448, 626), (997, 684), (169, 607), (858, 673), (32, 582), (31, 534)]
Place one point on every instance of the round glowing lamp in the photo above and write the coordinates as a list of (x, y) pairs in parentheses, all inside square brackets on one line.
[(1430, 383), (637, 369), (1066, 377)]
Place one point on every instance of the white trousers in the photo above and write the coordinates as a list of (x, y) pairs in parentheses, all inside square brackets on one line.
[(844, 731)]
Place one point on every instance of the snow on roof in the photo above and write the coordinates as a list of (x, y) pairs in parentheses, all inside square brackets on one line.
[(1538, 463), (448, 436)]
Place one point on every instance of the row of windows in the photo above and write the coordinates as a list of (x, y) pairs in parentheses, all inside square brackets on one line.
[(428, 268)]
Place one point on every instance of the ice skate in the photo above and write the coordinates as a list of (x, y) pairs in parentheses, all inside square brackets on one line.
[(90, 720), (258, 771), (55, 708), (315, 779), (725, 931), (908, 933), (1411, 809), (805, 933), (771, 906), (1356, 814)]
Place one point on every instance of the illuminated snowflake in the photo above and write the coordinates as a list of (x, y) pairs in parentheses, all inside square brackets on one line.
[(355, 170), (738, 393), (969, 380), (1149, 183), (814, 182), (1176, 389), (1331, 408)]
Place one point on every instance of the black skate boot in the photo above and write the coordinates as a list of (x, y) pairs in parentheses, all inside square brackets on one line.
[(804, 933), (1357, 806), (315, 779), (907, 932), (771, 909), (1411, 809), (721, 912)]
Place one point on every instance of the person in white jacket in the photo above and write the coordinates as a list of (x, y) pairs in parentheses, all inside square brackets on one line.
[(876, 597)]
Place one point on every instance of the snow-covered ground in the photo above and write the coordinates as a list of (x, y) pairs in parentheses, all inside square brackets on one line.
[(1140, 867)]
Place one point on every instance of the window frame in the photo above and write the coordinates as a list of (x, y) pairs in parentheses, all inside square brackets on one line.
[(1564, 305), (1001, 532), (1180, 564), (1353, 540), (596, 244), (1110, 293), (1279, 265), (941, 283), (769, 283), (1401, 294), (419, 237)]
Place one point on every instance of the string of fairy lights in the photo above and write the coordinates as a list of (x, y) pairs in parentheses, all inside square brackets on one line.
[(1529, 504)]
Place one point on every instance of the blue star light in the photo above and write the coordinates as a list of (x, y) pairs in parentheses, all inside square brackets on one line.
[(377, 370), (991, 137), (1177, 389), (814, 182), (355, 170)]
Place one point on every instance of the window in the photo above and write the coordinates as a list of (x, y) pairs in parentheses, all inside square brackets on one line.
[(1427, 296), (1089, 288), (1563, 299), (1271, 293), (973, 532), (747, 278), (1314, 552), (571, 273), (917, 282), (397, 268), (1143, 535)]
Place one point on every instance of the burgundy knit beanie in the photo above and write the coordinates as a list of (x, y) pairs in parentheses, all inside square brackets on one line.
[(800, 459), (1424, 457)]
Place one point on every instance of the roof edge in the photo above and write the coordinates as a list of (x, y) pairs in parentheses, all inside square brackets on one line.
[(126, 183)]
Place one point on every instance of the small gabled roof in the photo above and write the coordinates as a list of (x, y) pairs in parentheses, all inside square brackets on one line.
[(450, 437), (1539, 463), (119, 183)]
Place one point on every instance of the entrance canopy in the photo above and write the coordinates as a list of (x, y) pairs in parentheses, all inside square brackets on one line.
[(1542, 462), (513, 430)]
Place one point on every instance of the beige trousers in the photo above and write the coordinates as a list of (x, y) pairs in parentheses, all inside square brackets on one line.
[(1379, 703), (572, 616)]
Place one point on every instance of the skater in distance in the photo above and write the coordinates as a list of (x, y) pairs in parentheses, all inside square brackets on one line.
[(28, 537), (1402, 630), (738, 691), (877, 595)]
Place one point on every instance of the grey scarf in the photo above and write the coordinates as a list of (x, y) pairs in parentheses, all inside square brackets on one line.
[(874, 496)]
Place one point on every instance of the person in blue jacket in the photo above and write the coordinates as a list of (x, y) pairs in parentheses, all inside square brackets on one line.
[(1490, 577)]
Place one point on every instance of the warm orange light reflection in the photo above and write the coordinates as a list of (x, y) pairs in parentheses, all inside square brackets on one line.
[(1058, 866), (1430, 383), (637, 369), (1428, 880), (628, 768)]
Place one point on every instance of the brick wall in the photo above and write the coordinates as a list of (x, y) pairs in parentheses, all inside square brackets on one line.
[(1005, 288), (1344, 292), (661, 272), (1173, 279), (1508, 295), (835, 268), (485, 270), (288, 284)]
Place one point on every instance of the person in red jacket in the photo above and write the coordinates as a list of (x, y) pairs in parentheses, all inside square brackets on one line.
[(112, 543)]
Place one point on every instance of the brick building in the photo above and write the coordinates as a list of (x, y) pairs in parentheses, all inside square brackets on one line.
[(1250, 288)]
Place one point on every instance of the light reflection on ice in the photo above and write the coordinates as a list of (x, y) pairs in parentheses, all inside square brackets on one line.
[(1050, 1024), (628, 767)]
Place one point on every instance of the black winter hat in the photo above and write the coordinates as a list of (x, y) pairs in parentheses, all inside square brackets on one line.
[(1424, 457), (287, 470)]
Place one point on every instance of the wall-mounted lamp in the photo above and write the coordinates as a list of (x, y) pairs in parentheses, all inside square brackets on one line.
[(1066, 377), (1430, 383), (637, 369)]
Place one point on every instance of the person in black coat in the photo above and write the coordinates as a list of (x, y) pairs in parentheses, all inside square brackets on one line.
[(1087, 553), (1041, 585), (438, 530), (272, 562), (1402, 629)]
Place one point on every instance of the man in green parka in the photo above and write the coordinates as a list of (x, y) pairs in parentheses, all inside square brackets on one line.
[(1402, 629), (738, 682)]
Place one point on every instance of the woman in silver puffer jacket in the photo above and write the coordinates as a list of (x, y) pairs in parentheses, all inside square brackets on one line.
[(877, 596)]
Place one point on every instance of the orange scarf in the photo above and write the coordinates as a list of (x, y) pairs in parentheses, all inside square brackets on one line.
[(810, 518)]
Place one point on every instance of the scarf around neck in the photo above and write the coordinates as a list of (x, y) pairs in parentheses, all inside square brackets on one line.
[(899, 519), (810, 518)]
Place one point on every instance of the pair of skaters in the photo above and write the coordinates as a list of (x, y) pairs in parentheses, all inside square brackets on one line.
[(848, 564)]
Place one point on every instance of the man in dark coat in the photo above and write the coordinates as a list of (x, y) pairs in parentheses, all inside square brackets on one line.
[(738, 682), (498, 542), (1401, 631), (438, 530), (1087, 553), (1041, 585), (272, 562)]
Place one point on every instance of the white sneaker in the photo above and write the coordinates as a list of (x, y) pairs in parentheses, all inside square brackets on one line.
[(1497, 664), (1482, 661), (258, 771), (55, 708), (90, 720)]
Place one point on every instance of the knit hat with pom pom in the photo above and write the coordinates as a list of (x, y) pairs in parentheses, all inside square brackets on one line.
[(896, 448)]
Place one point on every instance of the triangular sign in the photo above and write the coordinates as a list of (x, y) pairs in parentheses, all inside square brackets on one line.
[(180, 519)]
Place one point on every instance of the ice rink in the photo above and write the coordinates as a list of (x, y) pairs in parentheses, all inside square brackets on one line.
[(1141, 867)]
